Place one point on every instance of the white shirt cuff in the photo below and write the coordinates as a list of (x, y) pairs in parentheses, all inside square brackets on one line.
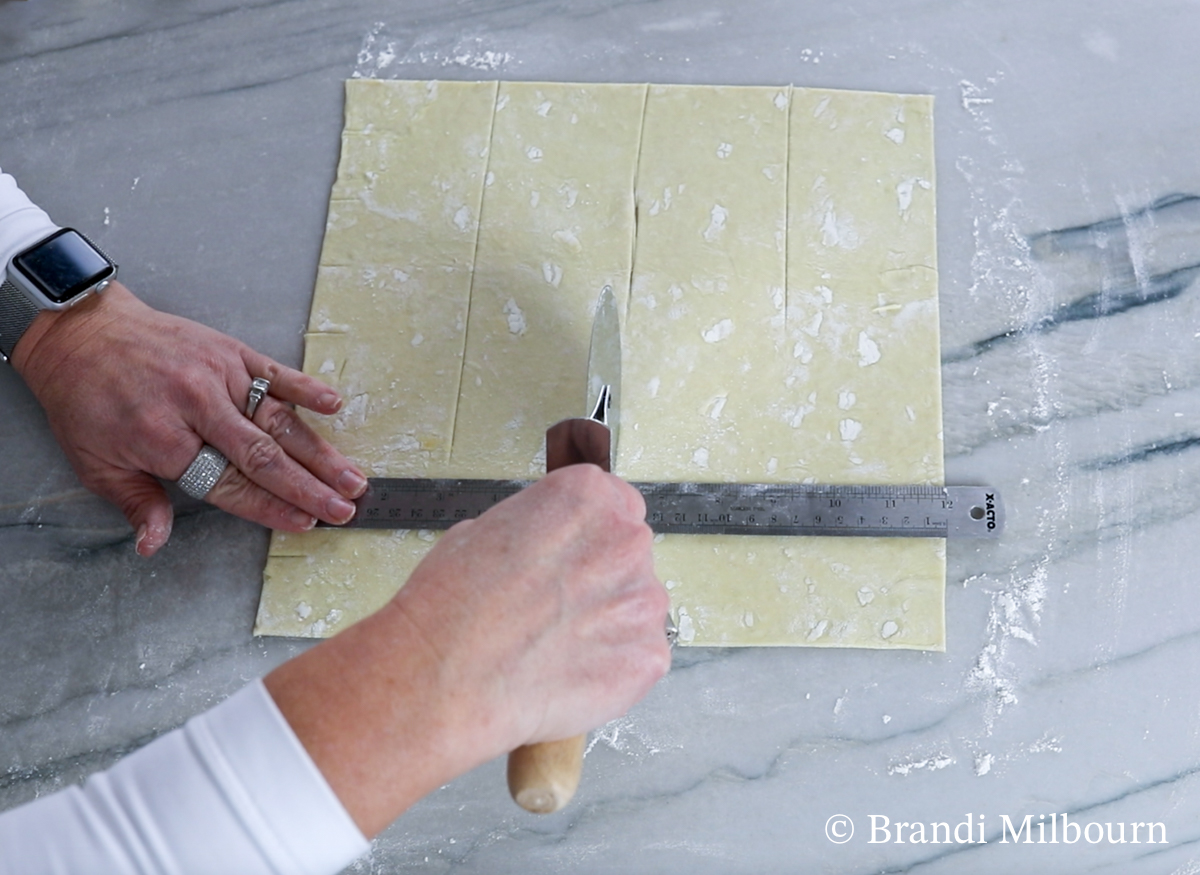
[(22, 223), (274, 782)]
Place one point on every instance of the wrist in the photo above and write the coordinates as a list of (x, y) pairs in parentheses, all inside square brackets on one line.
[(57, 273), (55, 333)]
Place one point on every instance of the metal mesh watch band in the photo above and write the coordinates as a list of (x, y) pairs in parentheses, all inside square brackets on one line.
[(17, 313)]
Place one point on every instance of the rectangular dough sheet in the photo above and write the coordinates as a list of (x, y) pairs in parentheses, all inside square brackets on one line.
[(775, 252)]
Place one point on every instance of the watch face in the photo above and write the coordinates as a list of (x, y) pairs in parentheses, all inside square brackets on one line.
[(63, 265)]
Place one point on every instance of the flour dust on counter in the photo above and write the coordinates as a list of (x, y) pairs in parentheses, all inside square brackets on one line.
[(773, 249)]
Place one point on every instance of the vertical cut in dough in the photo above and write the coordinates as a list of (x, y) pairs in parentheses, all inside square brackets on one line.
[(389, 314), (387, 330), (704, 376), (863, 326), (557, 225), (705, 335), (752, 383)]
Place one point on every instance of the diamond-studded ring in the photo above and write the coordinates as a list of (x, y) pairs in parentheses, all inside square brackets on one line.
[(203, 473)]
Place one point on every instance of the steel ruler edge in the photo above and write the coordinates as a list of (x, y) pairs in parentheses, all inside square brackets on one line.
[(792, 509)]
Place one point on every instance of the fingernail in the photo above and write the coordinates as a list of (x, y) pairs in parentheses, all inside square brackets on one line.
[(302, 520), (339, 510), (351, 484), (330, 401), (142, 531)]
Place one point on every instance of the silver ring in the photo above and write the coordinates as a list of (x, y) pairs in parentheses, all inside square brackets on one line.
[(204, 471), (258, 391)]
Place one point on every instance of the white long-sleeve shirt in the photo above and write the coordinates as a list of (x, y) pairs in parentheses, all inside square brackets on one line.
[(233, 792)]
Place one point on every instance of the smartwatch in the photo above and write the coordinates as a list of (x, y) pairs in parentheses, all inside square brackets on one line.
[(52, 274)]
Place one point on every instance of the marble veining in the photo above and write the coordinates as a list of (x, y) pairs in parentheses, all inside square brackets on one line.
[(1133, 257), (197, 142)]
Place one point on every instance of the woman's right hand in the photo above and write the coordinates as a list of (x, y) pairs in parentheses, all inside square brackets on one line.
[(539, 620)]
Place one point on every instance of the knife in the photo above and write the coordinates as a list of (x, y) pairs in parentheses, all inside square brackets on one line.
[(543, 777)]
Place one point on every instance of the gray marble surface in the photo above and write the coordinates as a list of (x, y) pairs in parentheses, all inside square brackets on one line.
[(197, 140)]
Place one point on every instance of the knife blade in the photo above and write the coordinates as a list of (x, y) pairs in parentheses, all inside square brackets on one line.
[(604, 367), (543, 777)]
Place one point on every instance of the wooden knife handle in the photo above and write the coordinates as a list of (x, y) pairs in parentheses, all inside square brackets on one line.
[(543, 777)]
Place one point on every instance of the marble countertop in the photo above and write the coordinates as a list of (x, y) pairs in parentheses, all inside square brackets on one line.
[(197, 142)]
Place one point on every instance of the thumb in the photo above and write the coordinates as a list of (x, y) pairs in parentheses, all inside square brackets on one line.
[(146, 505)]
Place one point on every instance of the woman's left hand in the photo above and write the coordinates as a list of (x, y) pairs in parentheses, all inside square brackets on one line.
[(133, 395)]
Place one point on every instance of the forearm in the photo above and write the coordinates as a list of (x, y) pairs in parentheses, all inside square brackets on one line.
[(369, 708)]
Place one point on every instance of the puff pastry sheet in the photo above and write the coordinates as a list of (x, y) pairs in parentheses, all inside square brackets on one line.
[(774, 253)]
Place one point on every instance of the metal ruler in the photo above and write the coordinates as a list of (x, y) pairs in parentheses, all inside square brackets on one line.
[(717, 508)]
